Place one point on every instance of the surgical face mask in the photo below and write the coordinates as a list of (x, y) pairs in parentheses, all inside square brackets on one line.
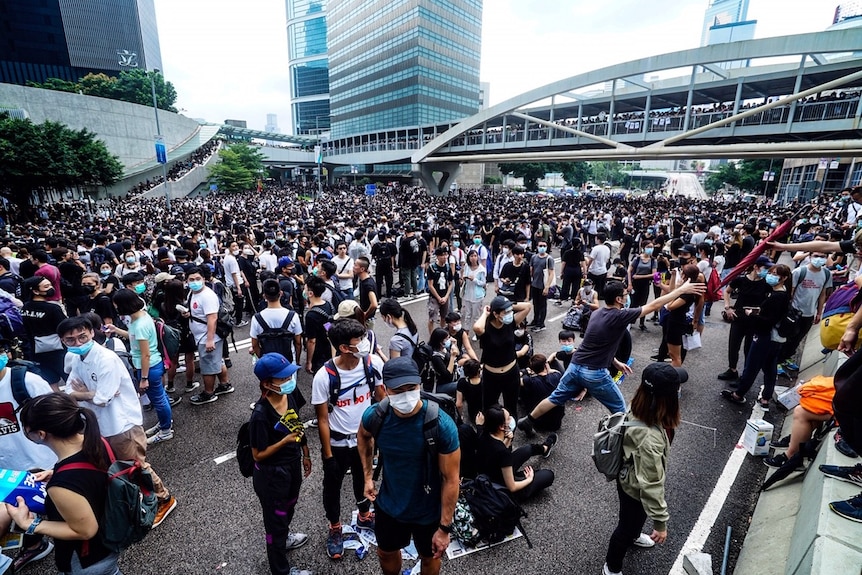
[(628, 301), (708, 241), (248, 252), (512, 424), (456, 243), (130, 260), (505, 250), (447, 344), (4, 359), (456, 327), (763, 272), (235, 252), (288, 386), (196, 286), (363, 349), (508, 317), (404, 402), (518, 332), (542, 249), (140, 288), (567, 348), (105, 272), (476, 241), (818, 262), (81, 349), (772, 279), (523, 246), (648, 251), (588, 290)]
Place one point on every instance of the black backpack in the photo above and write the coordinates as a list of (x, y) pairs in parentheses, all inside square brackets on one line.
[(337, 295), (276, 339), (495, 513), (244, 458), (422, 354)]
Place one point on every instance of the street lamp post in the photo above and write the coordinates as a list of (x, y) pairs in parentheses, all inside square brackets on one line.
[(159, 138), (318, 153)]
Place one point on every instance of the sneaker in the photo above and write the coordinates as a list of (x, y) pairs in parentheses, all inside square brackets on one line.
[(537, 328), (728, 375), (164, 509), (731, 396), (169, 388), (191, 386), (366, 522), (645, 329), (644, 541), (335, 542), (296, 540), (790, 366), (850, 474), (549, 442), (161, 436), (202, 398), (607, 571), (153, 430), (525, 425), (780, 371), (27, 556), (310, 423), (223, 388), (843, 447), (775, 461), (782, 443), (764, 405), (243, 323), (181, 369), (474, 338), (172, 401), (849, 509)]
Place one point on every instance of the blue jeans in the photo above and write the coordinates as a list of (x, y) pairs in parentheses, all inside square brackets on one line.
[(107, 566), (422, 284), (598, 382), (158, 396)]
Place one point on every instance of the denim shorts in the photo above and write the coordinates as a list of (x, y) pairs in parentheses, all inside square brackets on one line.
[(210, 361), (598, 382)]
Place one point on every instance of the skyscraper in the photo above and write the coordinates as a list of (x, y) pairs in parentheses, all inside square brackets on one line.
[(68, 39), (402, 63), (720, 13), (309, 65)]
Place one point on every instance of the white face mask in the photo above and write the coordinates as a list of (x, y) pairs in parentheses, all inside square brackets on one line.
[(363, 349), (512, 424), (405, 402), (456, 328)]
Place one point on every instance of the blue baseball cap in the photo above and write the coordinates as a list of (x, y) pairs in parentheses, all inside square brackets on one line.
[(274, 366), (284, 261)]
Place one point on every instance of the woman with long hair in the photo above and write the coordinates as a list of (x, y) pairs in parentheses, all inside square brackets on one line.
[(640, 276), (406, 336), (652, 417), (443, 360), (76, 497)]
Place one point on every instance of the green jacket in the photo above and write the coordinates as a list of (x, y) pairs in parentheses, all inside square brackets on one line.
[(645, 451)]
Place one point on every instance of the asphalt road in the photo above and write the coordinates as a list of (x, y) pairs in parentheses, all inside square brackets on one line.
[(217, 527)]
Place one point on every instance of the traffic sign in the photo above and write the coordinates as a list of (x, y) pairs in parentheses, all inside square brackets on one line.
[(370, 189), (161, 150)]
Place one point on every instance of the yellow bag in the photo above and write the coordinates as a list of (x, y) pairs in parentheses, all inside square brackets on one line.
[(816, 395)]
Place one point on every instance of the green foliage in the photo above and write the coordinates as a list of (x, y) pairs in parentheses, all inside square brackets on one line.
[(575, 173), (609, 173), (531, 172), (492, 180), (130, 86), (238, 168), (51, 156), (747, 175)]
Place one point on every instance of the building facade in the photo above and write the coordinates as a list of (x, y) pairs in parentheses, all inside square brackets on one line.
[(69, 39), (309, 66), (402, 63)]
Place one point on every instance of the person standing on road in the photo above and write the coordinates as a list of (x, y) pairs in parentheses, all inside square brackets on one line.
[(278, 444), (640, 485), (597, 262), (408, 504), (543, 277), (589, 366)]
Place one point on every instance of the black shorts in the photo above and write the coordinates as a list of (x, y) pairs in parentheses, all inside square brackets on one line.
[(187, 343), (675, 331), (393, 535)]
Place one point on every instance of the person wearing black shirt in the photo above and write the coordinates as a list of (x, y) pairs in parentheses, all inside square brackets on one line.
[(572, 270), (537, 384), (280, 451), (504, 466), (515, 277), (317, 321), (766, 344), (383, 253), (750, 290), (71, 269), (367, 289)]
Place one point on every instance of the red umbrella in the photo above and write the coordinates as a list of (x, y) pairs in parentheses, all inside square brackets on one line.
[(758, 249)]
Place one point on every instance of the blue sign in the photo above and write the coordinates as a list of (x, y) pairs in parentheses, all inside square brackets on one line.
[(370, 189), (213, 187), (161, 150)]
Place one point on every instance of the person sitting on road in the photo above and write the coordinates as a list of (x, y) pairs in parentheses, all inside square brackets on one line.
[(537, 384)]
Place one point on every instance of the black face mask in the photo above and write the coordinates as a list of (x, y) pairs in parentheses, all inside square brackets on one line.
[(88, 289), (49, 293)]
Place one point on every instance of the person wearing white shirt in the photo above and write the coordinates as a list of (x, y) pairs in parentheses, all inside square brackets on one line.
[(343, 269), (268, 259), (203, 307)]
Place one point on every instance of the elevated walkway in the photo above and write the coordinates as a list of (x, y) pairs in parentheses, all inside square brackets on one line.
[(793, 531), (198, 138), (188, 183)]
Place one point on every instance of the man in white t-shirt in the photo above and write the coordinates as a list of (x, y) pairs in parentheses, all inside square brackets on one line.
[(233, 279), (597, 263), (343, 270), (99, 380), (355, 371), (203, 317)]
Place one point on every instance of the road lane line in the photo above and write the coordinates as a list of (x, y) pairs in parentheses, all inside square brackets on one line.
[(226, 457)]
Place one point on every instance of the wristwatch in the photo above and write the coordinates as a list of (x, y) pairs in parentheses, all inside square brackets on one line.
[(447, 529)]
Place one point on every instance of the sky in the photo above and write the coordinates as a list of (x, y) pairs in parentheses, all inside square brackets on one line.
[(228, 60)]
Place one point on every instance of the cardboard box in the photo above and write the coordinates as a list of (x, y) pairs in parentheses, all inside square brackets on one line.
[(758, 434), (789, 398)]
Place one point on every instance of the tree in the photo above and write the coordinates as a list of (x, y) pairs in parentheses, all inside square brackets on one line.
[(237, 169), (51, 156), (610, 173), (130, 86), (575, 173), (747, 175), (531, 172)]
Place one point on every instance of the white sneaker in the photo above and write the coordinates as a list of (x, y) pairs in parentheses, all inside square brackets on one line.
[(191, 386), (296, 540), (153, 430), (606, 571), (474, 338), (181, 369), (644, 540), (161, 436)]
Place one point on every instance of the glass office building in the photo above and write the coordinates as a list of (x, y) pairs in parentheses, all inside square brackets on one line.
[(69, 39), (402, 63), (309, 66)]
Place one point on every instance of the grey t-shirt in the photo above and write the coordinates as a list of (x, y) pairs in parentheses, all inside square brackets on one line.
[(604, 332), (401, 344), (539, 265), (807, 294)]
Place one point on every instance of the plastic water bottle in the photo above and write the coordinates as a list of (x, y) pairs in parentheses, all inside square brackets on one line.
[(361, 552)]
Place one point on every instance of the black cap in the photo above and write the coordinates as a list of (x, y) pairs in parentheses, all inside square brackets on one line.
[(500, 303), (663, 378), (400, 371)]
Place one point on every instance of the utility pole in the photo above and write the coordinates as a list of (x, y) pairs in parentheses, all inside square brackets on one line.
[(161, 149)]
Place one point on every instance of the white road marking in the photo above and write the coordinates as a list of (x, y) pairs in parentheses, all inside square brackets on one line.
[(226, 457)]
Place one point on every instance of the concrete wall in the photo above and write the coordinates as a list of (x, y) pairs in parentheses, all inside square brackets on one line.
[(185, 185), (127, 129)]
